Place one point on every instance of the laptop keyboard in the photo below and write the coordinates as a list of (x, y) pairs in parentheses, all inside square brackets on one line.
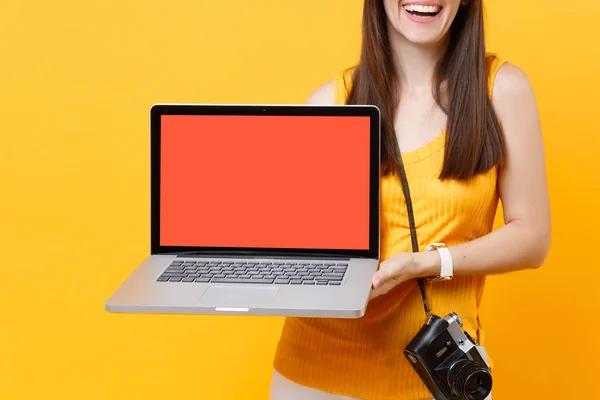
[(277, 273)]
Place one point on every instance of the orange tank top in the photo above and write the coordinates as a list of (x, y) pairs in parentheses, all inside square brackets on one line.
[(362, 358)]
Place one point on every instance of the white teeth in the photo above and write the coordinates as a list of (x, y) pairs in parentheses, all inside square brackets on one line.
[(422, 9)]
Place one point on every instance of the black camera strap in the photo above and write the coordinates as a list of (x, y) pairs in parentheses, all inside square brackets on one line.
[(413, 229)]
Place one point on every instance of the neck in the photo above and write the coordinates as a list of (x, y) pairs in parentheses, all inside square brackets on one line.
[(415, 64)]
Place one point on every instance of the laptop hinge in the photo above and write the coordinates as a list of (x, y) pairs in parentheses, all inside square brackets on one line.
[(262, 254)]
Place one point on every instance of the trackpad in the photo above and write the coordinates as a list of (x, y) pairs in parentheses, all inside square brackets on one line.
[(229, 296)]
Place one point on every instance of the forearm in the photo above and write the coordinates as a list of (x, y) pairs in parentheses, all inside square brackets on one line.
[(513, 247)]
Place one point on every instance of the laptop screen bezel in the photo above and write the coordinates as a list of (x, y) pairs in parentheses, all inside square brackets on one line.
[(158, 110)]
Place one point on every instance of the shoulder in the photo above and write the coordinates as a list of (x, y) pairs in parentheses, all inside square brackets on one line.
[(335, 91), (513, 97), (515, 104), (511, 83), (323, 94)]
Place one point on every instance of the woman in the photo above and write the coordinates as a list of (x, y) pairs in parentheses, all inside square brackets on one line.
[(425, 66)]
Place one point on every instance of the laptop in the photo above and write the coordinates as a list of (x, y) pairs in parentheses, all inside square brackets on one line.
[(259, 210)]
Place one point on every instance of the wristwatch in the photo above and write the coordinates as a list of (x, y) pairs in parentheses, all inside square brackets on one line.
[(447, 270)]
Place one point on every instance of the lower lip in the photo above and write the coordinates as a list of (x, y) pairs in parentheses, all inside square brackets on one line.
[(422, 20)]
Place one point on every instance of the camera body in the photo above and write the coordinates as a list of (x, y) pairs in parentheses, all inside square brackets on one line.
[(449, 361)]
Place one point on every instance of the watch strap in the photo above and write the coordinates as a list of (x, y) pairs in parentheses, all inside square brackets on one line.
[(447, 264)]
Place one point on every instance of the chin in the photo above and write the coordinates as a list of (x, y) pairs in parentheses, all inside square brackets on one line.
[(423, 22), (423, 38)]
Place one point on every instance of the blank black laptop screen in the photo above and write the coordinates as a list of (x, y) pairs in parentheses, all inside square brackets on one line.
[(288, 182)]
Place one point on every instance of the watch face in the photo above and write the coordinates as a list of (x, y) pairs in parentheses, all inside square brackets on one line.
[(434, 246), (440, 278)]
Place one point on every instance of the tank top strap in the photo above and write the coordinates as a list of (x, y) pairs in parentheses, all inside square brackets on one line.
[(493, 63), (342, 84)]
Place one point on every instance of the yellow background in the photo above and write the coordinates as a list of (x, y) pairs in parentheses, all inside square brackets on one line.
[(76, 82)]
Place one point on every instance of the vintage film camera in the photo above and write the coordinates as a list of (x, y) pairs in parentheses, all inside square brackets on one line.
[(449, 361)]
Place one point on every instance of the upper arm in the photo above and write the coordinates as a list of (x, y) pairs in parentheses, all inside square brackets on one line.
[(522, 174), (322, 95)]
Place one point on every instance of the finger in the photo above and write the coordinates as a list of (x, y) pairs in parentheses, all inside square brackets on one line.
[(388, 285), (383, 288), (372, 295), (385, 273)]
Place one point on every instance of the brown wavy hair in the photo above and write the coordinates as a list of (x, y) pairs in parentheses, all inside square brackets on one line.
[(474, 141)]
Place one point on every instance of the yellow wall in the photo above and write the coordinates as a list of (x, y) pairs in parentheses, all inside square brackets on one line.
[(76, 81)]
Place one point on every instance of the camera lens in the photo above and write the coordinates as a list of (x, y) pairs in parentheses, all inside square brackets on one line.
[(478, 385), (470, 380)]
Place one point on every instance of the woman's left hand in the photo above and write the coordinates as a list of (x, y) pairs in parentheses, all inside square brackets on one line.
[(400, 268)]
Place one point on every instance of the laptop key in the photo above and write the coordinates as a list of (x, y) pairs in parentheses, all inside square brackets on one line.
[(321, 283), (202, 280), (282, 281), (296, 281), (163, 279), (308, 282), (174, 279), (226, 280), (188, 280), (335, 283)]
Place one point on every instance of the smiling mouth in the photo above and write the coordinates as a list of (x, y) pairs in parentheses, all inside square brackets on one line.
[(422, 11)]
